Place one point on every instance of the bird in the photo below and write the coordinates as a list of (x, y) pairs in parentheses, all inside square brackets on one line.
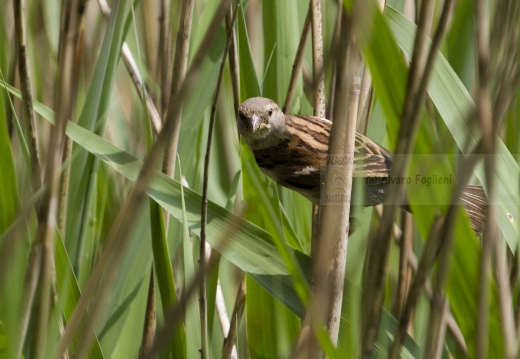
[(292, 150)]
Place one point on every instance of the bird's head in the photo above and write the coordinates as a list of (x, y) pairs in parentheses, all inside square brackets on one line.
[(261, 122)]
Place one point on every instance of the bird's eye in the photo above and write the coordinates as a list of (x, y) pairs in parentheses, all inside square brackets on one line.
[(270, 112)]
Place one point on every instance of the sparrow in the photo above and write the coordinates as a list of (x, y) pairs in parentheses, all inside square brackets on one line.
[(292, 150)]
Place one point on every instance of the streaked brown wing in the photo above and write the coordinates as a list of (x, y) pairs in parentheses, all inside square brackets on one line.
[(370, 159)]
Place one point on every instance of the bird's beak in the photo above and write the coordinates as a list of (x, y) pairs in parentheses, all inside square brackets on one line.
[(255, 122)]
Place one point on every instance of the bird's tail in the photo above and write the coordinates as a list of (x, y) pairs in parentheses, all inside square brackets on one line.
[(475, 202)]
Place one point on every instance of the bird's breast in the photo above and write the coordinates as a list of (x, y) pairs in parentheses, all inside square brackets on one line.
[(294, 165)]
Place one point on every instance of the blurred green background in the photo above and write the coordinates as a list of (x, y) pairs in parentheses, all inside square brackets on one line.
[(257, 226)]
